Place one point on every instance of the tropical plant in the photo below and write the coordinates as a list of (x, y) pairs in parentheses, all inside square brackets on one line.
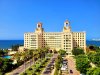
[(62, 52), (77, 51), (3, 52), (15, 47), (5, 65), (94, 57), (82, 63), (93, 71), (58, 62), (91, 56)]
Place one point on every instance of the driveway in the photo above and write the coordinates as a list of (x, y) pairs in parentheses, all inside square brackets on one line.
[(71, 66)]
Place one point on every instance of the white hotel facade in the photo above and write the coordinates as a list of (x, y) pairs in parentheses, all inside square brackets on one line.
[(66, 40)]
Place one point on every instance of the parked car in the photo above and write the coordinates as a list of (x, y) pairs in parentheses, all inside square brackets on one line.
[(65, 62), (71, 71), (63, 67)]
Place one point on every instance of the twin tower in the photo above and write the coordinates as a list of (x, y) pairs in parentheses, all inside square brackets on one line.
[(66, 27)]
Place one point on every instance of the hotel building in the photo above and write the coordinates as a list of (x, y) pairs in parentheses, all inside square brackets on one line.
[(66, 40)]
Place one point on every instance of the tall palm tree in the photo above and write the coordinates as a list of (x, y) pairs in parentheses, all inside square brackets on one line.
[(24, 58), (45, 51), (17, 57), (30, 56)]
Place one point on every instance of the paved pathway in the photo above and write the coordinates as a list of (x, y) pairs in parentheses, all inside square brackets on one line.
[(21, 68), (71, 66)]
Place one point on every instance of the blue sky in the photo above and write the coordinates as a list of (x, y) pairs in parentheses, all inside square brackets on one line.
[(20, 16)]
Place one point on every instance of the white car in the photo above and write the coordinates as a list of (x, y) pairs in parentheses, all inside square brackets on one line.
[(63, 67)]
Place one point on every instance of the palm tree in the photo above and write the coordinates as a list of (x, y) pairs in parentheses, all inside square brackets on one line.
[(45, 51), (30, 55), (25, 58), (17, 57), (33, 54)]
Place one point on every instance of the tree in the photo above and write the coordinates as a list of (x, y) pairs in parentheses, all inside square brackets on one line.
[(17, 56), (58, 62), (97, 49), (6, 65), (82, 63), (2, 53), (94, 48), (15, 47), (30, 55), (91, 47), (93, 71), (94, 57), (77, 51), (62, 52), (91, 56)]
